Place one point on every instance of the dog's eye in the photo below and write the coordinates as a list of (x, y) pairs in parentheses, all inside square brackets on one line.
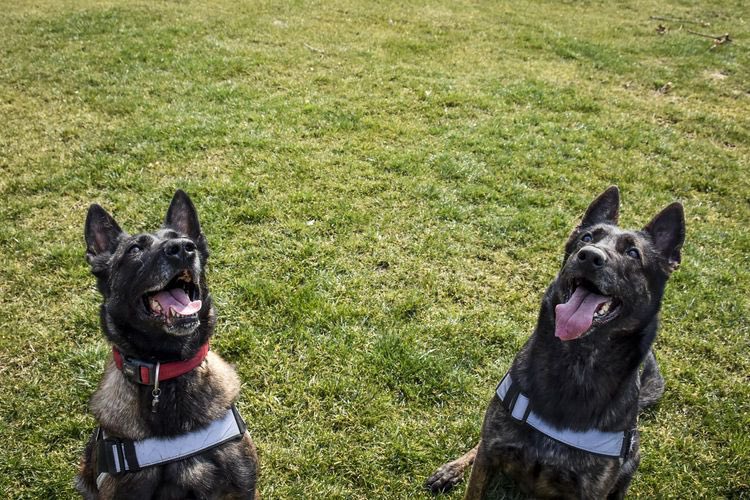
[(633, 252), (587, 238), (134, 249)]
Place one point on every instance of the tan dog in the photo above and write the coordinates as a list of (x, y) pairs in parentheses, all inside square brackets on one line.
[(168, 427)]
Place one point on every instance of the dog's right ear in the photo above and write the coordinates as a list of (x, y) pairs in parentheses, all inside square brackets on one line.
[(102, 233), (182, 216), (667, 231), (604, 209)]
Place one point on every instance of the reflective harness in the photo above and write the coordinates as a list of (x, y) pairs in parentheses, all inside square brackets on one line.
[(118, 456), (609, 444)]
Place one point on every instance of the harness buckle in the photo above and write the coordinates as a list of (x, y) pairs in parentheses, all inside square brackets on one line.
[(110, 455), (114, 455)]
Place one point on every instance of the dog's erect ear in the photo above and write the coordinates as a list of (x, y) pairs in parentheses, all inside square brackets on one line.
[(667, 231), (182, 216), (604, 209), (101, 232)]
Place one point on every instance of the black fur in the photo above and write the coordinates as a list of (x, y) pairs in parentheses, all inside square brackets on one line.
[(589, 382)]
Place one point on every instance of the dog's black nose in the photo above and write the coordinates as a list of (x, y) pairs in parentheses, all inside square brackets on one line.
[(592, 257), (179, 249)]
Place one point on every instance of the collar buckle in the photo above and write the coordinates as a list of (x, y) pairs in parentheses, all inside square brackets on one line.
[(140, 372)]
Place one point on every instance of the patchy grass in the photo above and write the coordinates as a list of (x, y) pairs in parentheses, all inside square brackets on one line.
[(386, 189)]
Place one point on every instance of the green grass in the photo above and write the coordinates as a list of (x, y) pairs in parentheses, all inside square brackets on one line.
[(386, 189)]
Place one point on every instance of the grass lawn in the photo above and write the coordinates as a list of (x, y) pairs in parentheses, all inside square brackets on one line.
[(386, 189)]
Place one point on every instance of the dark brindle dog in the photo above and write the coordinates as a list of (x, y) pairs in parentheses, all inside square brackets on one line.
[(563, 421), (165, 407)]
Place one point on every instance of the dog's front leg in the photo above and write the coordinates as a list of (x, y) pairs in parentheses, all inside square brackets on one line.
[(481, 474), (450, 474)]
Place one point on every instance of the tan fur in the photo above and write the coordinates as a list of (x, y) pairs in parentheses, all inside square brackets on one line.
[(114, 405), (216, 373)]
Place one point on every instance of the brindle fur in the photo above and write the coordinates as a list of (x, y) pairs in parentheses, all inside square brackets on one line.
[(122, 407), (590, 382)]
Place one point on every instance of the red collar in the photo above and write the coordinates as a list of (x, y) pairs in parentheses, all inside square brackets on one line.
[(144, 373)]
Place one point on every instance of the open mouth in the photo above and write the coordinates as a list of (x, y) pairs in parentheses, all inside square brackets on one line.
[(585, 309), (179, 301)]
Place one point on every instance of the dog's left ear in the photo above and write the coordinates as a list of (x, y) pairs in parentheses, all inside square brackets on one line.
[(604, 209), (182, 216), (101, 232), (667, 231)]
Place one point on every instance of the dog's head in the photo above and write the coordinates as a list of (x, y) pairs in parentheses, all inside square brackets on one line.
[(156, 301), (613, 280)]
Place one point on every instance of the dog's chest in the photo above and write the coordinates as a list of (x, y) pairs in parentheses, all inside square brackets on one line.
[(124, 409)]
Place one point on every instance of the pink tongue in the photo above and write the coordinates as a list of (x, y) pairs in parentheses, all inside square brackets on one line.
[(573, 318), (178, 300)]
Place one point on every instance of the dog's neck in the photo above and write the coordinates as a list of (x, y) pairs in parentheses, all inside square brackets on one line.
[(585, 383), (151, 373)]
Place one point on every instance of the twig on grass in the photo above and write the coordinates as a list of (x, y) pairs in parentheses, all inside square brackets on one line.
[(313, 49), (718, 40), (676, 20)]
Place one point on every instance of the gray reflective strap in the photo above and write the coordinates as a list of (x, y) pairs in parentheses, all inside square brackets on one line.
[(119, 456), (100, 479), (118, 466), (519, 409), (611, 444), (594, 441), (161, 450)]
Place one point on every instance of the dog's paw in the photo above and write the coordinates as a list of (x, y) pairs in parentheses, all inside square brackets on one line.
[(445, 478)]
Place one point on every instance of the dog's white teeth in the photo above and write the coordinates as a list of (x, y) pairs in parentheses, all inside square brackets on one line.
[(603, 309), (175, 314), (155, 306)]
